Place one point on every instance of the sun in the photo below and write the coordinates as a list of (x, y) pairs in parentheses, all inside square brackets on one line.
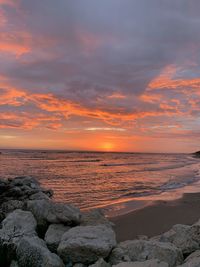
[(107, 146)]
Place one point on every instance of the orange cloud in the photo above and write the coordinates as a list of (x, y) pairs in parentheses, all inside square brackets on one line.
[(17, 43), (117, 96), (166, 80)]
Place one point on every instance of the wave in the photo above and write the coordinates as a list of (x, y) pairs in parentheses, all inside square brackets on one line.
[(125, 164)]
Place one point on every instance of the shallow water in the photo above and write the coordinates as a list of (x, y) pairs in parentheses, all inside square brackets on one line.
[(89, 179)]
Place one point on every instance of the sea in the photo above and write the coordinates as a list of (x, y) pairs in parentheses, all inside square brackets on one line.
[(114, 182)]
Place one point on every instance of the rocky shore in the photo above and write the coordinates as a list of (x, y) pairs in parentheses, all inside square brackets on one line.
[(37, 232)]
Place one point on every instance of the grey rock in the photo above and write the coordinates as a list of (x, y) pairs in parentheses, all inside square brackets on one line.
[(11, 205), (14, 227), (193, 260), (148, 263), (24, 180), (141, 250), (32, 252), (79, 265), (185, 237), (54, 234), (17, 224), (46, 211), (94, 217), (86, 244), (14, 264), (39, 195), (100, 263)]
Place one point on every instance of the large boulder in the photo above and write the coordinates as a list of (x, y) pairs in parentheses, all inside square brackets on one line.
[(32, 252), (86, 244), (141, 250), (148, 263), (15, 226), (47, 212), (54, 234), (185, 237)]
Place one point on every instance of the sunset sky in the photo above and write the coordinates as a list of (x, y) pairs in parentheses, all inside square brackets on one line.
[(110, 75)]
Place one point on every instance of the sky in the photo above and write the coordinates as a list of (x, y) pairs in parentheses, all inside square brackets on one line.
[(109, 75)]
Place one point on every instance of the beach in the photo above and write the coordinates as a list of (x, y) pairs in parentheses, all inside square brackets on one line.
[(158, 217)]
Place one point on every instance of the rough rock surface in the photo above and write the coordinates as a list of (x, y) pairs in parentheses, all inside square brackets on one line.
[(14, 227), (47, 212), (14, 264), (32, 252), (141, 250), (148, 263), (185, 237), (54, 234), (193, 260), (100, 263), (15, 192), (86, 244), (94, 217)]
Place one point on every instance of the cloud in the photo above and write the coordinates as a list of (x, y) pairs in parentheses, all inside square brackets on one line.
[(119, 65)]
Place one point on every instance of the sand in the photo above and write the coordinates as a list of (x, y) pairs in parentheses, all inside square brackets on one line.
[(158, 217)]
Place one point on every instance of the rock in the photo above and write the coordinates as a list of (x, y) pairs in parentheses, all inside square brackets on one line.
[(11, 205), (79, 265), (100, 263), (47, 212), (14, 227), (14, 264), (141, 250), (20, 188), (193, 260), (19, 223), (86, 244), (185, 237), (39, 195), (24, 180), (54, 234), (32, 252), (94, 217), (195, 254), (148, 263)]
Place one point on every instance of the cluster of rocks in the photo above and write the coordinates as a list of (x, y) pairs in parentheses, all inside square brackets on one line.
[(37, 232)]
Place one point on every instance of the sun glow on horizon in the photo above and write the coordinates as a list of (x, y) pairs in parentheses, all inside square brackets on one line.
[(107, 146)]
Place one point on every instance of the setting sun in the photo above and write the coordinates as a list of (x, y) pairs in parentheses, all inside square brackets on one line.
[(107, 146)]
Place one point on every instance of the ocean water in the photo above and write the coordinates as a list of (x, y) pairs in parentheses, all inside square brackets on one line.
[(91, 180)]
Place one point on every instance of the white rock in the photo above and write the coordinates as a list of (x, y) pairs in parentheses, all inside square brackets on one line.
[(86, 244), (141, 250)]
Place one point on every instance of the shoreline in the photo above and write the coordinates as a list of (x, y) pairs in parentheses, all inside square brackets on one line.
[(157, 217)]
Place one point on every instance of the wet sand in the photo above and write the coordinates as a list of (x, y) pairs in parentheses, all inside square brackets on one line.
[(158, 217)]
